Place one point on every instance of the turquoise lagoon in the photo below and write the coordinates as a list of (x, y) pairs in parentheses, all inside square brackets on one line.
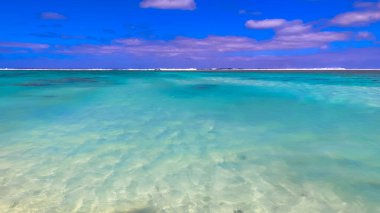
[(120, 141)]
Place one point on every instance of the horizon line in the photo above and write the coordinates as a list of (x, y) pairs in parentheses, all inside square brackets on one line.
[(197, 69)]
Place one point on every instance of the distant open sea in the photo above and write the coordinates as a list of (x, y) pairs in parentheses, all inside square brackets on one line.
[(236, 142)]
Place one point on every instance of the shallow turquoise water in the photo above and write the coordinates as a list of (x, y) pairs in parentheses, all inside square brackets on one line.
[(189, 142)]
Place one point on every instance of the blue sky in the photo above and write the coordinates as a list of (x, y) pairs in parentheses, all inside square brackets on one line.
[(189, 33)]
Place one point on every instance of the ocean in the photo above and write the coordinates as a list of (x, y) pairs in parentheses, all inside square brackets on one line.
[(124, 141)]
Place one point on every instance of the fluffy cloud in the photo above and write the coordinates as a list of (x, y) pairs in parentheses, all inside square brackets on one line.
[(357, 18), (52, 15), (281, 26), (294, 27), (265, 24), (367, 15), (169, 4), (295, 34)]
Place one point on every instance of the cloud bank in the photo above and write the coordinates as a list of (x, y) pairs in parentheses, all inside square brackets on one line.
[(209, 46)]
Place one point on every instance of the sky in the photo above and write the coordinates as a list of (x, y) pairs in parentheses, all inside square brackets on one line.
[(189, 33)]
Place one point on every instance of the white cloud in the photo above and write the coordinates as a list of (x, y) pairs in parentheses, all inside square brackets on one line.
[(369, 14), (265, 24), (169, 4), (292, 27)]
